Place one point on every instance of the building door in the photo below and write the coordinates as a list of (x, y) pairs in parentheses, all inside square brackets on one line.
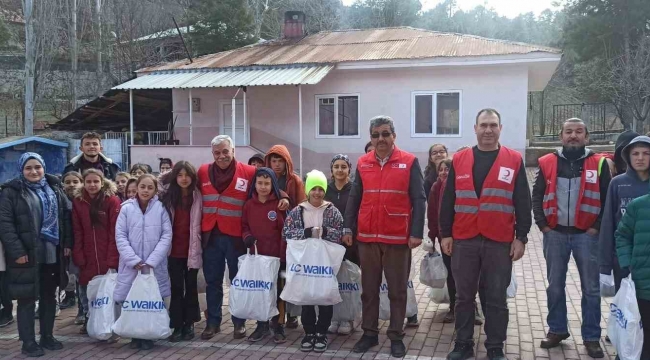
[(241, 131)]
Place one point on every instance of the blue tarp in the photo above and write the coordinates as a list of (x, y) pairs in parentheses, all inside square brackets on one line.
[(53, 152)]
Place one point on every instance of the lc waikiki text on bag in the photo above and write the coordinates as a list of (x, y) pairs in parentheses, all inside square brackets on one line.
[(144, 314), (312, 266), (624, 324), (384, 302), (349, 278), (253, 292), (101, 307)]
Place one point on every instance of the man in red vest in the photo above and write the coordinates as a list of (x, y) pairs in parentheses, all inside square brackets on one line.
[(387, 207), (224, 186), (484, 221), (568, 200)]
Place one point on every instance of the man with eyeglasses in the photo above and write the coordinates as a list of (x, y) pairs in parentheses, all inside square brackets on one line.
[(485, 217), (387, 207)]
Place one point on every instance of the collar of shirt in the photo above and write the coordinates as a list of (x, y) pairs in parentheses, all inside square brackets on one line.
[(383, 161)]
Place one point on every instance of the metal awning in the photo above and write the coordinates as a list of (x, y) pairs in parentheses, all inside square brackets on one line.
[(250, 76)]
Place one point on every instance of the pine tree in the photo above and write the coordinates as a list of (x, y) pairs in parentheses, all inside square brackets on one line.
[(220, 25)]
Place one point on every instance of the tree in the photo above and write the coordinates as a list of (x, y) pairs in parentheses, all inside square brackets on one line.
[(4, 33), (364, 14), (322, 15), (221, 25)]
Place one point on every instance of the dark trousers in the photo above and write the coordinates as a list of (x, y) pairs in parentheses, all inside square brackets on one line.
[(488, 261), (309, 322), (644, 309), (451, 283), (184, 305), (5, 298), (49, 280), (220, 250), (395, 262)]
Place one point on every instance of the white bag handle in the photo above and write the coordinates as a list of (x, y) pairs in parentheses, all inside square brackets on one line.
[(248, 250)]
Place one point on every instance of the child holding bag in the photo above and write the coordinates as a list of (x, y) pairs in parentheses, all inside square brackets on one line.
[(143, 235), (94, 214), (315, 218)]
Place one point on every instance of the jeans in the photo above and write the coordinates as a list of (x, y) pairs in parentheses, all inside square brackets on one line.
[(309, 322), (83, 299), (184, 307), (558, 248), (49, 280), (487, 261), (219, 251)]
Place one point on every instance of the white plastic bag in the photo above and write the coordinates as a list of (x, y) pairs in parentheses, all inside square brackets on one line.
[(433, 271), (624, 324), (607, 286), (384, 301), (512, 288), (253, 292), (144, 314), (292, 309), (101, 307), (427, 245), (312, 266), (439, 296), (349, 278)]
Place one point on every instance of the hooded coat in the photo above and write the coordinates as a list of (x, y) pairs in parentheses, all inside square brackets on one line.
[(622, 190), (622, 140), (20, 237), (142, 238), (294, 186), (94, 249), (110, 168)]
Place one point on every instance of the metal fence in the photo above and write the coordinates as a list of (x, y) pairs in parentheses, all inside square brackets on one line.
[(601, 119), (120, 141)]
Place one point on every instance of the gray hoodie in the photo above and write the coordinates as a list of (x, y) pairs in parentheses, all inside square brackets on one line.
[(622, 189)]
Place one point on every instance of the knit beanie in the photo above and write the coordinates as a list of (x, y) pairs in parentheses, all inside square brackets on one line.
[(315, 178)]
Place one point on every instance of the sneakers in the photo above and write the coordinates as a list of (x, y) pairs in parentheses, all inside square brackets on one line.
[(278, 334), (135, 344), (69, 300), (496, 354), (260, 332), (146, 344), (50, 343), (239, 332), (334, 327), (188, 332), (412, 321), (307, 343), (292, 322), (176, 336), (462, 351), (80, 319), (365, 343), (345, 328), (593, 349), (6, 318), (32, 349), (320, 343), (397, 348)]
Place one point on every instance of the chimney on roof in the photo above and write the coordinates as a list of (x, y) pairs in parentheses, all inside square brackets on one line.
[(294, 25)]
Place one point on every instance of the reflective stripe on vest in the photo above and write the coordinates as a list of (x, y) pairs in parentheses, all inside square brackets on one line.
[(226, 199)]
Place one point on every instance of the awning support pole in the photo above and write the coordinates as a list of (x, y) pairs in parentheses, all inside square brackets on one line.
[(234, 112), (245, 132), (300, 125), (131, 114), (191, 111)]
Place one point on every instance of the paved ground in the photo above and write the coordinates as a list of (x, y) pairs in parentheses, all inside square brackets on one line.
[(431, 340)]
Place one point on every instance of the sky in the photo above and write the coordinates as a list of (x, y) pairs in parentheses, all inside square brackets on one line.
[(509, 8)]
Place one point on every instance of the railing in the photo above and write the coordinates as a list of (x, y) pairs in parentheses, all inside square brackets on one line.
[(140, 138)]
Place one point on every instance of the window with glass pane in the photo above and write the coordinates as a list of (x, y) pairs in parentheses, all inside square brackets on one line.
[(326, 116), (348, 116), (448, 113), (423, 114)]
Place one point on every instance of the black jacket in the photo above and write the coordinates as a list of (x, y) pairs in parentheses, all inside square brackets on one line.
[(110, 168), (338, 197), (20, 237)]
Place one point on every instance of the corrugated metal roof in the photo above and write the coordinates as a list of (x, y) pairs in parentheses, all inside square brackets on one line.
[(17, 140), (358, 45), (306, 75)]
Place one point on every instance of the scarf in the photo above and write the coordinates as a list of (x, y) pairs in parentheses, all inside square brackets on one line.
[(49, 202), (221, 178)]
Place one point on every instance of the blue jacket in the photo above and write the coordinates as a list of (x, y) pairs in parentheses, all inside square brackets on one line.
[(622, 190)]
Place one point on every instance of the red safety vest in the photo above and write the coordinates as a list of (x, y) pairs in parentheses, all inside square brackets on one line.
[(588, 205), (385, 211), (493, 213), (225, 209)]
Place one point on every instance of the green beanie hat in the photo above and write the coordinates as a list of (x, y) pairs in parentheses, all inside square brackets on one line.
[(315, 178)]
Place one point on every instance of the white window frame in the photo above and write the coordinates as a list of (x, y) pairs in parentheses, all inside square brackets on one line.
[(434, 113), (336, 120)]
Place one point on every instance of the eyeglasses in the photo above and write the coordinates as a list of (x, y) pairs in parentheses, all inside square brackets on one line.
[(441, 152), (383, 134)]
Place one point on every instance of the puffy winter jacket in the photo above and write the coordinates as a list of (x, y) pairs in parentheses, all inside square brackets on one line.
[(142, 238), (94, 249), (195, 256), (20, 237), (110, 168)]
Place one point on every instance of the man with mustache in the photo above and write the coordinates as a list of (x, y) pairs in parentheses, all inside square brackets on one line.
[(387, 207), (568, 199), (484, 222)]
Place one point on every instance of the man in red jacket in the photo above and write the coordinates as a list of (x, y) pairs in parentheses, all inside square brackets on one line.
[(387, 206), (485, 217)]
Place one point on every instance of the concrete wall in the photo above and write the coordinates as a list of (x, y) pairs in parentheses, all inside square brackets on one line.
[(273, 111)]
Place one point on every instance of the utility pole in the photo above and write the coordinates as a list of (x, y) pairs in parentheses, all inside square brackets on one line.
[(30, 68)]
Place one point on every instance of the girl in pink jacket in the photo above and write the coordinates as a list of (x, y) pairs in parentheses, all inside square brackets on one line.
[(182, 200)]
